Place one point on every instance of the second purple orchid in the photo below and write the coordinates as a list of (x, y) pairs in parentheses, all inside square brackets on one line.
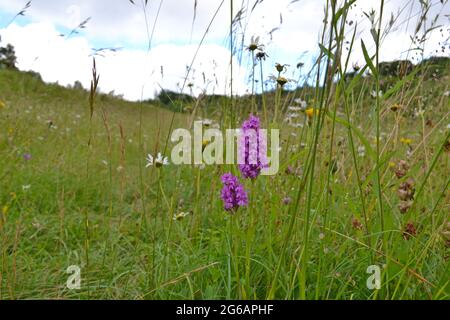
[(252, 148)]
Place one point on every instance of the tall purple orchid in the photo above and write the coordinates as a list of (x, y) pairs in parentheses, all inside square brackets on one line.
[(252, 148)]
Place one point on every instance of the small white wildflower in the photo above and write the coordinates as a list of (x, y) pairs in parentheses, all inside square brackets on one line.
[(26, 187), (180, 216), (361, 151), (373, 94), (419, 113), (294, 108), (292, 115), (301, 102), (105, 162), (158, 162), (296, 125), (36, 224), (200, 166), (207, 122), (293, 148), (409, 152)]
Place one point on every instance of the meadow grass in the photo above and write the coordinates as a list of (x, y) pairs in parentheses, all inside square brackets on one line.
[(75, 191)]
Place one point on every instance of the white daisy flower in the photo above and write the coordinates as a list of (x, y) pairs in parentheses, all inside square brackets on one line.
[(301, 102), (294, 108), (158, 162), (207, 122), (296, 125), (292, 115), (180, 215), (373, 94)]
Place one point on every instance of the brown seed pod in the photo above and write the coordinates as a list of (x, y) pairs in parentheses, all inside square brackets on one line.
[(356, 224), (404, 206), (402, 169), (409, 231)]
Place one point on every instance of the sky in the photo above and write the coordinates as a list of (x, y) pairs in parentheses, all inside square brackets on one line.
[(140, 68)]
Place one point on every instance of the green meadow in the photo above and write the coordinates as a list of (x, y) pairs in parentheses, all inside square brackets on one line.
[(363, 184)]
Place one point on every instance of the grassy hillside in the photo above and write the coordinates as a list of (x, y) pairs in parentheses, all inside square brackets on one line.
[(51, 179), (68, 199)]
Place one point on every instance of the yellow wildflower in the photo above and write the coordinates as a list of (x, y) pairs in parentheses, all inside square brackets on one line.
[(310, 112), (406, 141)]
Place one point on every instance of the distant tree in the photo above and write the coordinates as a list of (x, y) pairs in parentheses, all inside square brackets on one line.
[(435, 67), (397, 68), (8, 57), (168, 97), (77, 85)]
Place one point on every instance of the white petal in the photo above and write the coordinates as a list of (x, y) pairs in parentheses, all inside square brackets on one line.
[(149, 160)]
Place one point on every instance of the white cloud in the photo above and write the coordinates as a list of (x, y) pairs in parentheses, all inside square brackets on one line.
[(397, 43), (39, 47), (120, 21)]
